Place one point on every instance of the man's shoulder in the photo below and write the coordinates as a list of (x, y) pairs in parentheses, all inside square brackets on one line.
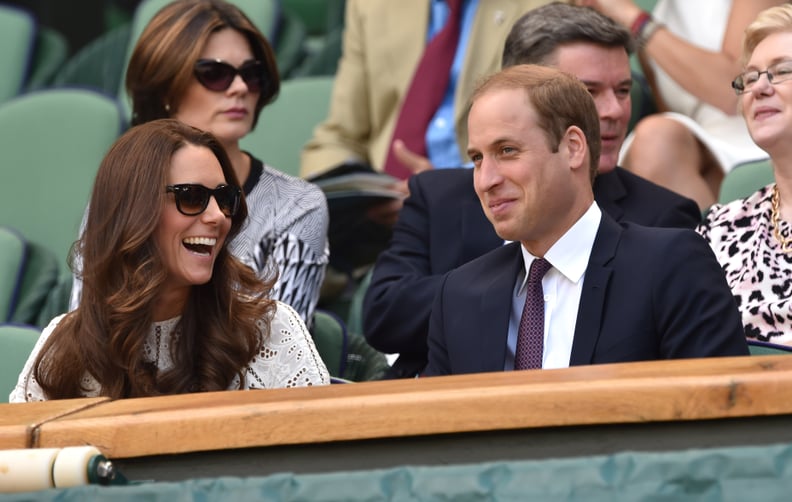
[(486, 263), (632, 198), (643, 189), (637, 239)]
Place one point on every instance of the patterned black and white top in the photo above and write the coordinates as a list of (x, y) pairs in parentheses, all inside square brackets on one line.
[(758, 272), (286, 228)]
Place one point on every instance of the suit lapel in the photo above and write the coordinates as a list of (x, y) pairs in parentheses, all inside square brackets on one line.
[(595, 288), (492, 328)]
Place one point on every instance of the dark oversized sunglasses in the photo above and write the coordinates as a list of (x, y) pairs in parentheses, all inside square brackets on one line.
[(217, 75), (192, 199)]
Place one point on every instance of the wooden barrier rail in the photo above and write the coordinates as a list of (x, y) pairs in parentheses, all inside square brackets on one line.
[(607, 407)]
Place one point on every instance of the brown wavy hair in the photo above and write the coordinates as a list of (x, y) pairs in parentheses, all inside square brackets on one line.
[(122, 274), (161, 66)]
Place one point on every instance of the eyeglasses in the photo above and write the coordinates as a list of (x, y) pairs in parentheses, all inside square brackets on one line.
[(776, 73), (192, 199), (217, 75)]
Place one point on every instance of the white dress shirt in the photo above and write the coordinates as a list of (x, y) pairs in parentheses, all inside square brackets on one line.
[(562, 286)]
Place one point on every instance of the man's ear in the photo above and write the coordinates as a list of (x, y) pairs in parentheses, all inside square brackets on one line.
[(574, 142)]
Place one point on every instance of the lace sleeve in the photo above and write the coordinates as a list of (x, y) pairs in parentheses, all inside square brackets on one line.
[(27, 388), (288, 356)]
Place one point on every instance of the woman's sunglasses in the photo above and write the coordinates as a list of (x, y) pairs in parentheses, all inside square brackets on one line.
[(217, 75), (192, 199)]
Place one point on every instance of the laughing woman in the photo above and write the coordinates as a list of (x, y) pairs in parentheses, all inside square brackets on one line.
[(752, 237), (165, 307)]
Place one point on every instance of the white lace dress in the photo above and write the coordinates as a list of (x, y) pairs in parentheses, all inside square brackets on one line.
[(288, 358)]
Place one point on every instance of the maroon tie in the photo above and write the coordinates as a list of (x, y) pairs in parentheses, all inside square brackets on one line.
[(426, 91), (530, 335)]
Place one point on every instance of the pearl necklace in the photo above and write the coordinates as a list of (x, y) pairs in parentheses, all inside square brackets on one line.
[(786, 244)]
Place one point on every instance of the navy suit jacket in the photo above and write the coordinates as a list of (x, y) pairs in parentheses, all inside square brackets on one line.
[(443, 226), (648, 293)]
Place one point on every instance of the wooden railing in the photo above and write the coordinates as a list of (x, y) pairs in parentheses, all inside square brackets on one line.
[(630, 393)]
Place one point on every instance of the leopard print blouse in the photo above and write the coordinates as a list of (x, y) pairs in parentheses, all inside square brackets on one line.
[(758, 272)]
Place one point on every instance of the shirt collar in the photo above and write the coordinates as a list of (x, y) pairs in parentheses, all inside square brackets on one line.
[(570, 254)]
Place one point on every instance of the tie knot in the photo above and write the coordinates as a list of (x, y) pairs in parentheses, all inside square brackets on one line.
[(539, 268)]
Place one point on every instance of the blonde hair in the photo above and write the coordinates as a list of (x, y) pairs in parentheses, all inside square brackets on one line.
[(769, 21)]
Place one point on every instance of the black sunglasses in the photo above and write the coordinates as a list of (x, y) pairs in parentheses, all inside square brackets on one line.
[(217, 75), (192, 199)]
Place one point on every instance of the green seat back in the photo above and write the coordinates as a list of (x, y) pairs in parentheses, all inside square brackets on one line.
[(39, 280), (99, 64), (52, 143), (330, 339), (364, 362), (264, 14), (288, 123), (290, 45), (17, 41), (52, 50), (347, 355), (12, 263), (320, 18), (744, 179), (758, 348), (56, 302), (323, 60), (16, 344), (355, 314)]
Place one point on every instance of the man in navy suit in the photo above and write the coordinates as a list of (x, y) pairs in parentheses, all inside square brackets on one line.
[(442, 225), (613, 293)]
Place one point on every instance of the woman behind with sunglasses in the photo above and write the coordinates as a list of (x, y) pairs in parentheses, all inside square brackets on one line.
[(204, 63), (752, 237), (166, 308)]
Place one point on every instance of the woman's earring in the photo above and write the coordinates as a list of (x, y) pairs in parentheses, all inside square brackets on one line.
[(167, 107)]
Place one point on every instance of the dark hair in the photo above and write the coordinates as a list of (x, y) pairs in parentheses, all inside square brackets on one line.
[(122, 273), (539, 32), (161, 66), (559, 99)]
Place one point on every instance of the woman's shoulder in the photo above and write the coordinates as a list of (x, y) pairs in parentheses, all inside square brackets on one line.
[(281, 185), (286, 322), (285, 312), (750, 207), (730, 221), (290, 348)]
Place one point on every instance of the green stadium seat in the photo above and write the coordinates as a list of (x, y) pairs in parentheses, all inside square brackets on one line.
[(17, 41), (16, 344), (53, 142), (744, 179), (288, 123)]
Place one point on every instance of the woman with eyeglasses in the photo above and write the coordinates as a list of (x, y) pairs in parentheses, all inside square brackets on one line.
[(752, 237), (166, 308), (204, 63)]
